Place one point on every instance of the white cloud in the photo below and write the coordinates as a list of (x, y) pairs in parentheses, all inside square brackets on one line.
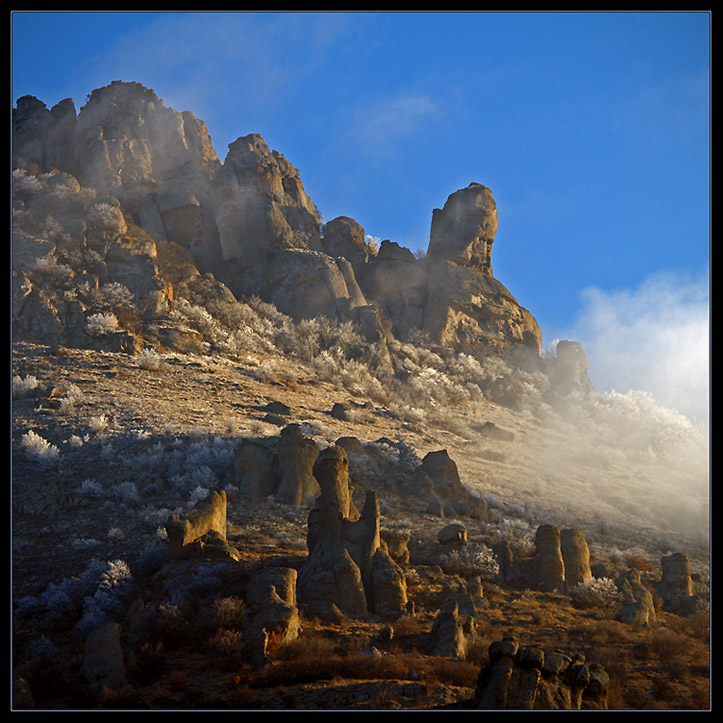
[(379, 124), (654, 338)]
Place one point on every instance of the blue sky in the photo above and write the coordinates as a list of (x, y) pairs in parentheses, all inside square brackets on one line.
[(591, 130)]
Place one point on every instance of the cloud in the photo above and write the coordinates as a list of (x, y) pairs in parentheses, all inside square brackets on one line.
[(654, 338), (379, 124)]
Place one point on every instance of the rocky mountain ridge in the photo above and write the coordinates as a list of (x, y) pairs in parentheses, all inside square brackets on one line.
[(249, 223)]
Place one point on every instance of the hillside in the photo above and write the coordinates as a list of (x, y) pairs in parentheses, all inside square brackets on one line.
[(364, 453)]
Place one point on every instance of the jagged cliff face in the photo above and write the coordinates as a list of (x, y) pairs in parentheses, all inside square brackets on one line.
[(249, 222)]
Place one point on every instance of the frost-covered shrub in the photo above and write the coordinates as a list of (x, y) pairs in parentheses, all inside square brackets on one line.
[(60, 604), (597, 593), (152, 557), (109, 597), (471, 560), (150, 359), (37, 448), (41, 649), (89, 487), (25, 385), (72, 397), (126, 492), (50, 272), (26, 183), (99, 424), (101, 324), (105, 220), (115, 296)]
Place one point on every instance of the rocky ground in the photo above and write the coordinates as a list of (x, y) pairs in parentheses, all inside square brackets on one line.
[(124, 444)]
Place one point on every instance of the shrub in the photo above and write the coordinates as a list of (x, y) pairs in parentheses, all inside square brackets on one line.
[(150, 359), (99, 424), (101, 324), (24, 386), (598, 593), (38, 448), (471, 560), (108, 599)]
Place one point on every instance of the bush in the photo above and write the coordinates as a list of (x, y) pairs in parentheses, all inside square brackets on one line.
[(38, 448), (598, 593), (101, 324), (470, 561)]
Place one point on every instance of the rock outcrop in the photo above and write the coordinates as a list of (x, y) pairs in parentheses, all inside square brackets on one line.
[(465, 305), (676, 586), (528, 678), (201, 532), (281, 467), (271, 611), (437, 483), (348, 573), (561, 561), (638, 607), (249, 223)]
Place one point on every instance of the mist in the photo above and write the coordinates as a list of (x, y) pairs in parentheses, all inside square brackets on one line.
[(652, 339)]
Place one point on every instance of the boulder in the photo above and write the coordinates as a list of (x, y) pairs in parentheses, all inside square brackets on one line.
[(103, 663), (549, 562), (576, 557), (207, 516), (271, 611), (452, 537), (529, 678), (296, 457)]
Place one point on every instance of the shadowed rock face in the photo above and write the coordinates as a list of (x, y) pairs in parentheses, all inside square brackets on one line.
[(528, 678)]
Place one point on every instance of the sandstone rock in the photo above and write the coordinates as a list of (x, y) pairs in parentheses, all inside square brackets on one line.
[(388, 586), (452, 634), (343, 236), (568, 371), (576, 557), (437, 483), (492, 431), (396, 544), (550, 564), (397, 282), (465, 305), (256, 466), (271, 610), (347, 572), (638, 607), (304, 284), (464, 229), (452, 537), (466, 308), (208, 515), (676, 586), (296, 456), (527, 678), (103, 665)]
